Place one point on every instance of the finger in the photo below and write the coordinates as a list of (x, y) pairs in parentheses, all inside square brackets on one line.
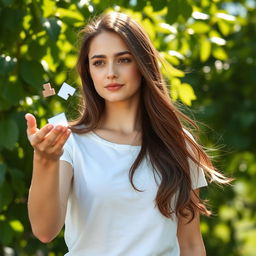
[(31, 124), (61, 141), (40, 135), (52, 138)]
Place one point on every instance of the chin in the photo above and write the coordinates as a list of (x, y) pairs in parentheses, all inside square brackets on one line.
[(115, 100)]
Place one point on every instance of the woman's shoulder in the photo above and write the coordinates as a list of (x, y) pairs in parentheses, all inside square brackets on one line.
[(78, 132)]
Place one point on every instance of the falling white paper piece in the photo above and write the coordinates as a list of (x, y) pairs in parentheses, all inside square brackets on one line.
[(66, 90), (58, 119)]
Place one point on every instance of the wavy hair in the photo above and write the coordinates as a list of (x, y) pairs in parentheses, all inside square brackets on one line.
[(164, 140)]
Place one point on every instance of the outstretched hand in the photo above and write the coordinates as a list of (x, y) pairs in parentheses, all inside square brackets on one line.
[(48, 141)]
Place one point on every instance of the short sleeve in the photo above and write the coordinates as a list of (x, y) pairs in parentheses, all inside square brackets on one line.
[(67, 151), (197, 175)]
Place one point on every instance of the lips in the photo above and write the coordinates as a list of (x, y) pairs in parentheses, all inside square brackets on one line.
[(113, 86)]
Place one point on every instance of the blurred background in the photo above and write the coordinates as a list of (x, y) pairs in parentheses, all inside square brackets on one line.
[(210, 52)]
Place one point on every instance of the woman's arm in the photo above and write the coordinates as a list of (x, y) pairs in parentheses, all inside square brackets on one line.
[(189, 236), (51, 180)]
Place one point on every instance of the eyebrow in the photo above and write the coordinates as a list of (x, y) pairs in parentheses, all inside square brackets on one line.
[(116, 55)]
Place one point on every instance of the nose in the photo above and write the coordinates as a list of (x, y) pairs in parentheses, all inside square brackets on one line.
[(112, 72)]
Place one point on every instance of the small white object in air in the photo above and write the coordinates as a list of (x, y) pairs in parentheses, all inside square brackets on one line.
[(58, 119), (66, 90)]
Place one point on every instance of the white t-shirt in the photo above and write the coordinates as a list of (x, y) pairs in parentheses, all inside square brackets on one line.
[(105, 215)]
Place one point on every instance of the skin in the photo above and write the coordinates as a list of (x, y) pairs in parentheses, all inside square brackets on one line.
[(51, 179), (120, 123), (113, 63), (108, 64), (189, 235)]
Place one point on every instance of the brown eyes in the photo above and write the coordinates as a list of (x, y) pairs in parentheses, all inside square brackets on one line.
[(125, 60), (98, 63)]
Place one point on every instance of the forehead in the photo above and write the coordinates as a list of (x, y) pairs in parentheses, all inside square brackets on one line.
[(107, 43)]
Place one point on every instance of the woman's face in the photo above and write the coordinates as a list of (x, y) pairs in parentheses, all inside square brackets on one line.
[(113, 69)]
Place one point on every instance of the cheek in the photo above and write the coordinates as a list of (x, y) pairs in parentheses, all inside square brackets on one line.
[(135, 75), (96, 76), (93, 74)]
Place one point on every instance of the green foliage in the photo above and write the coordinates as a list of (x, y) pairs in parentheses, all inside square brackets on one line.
[(208, 60)]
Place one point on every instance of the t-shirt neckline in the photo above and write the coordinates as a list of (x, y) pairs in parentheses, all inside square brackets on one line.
[(113, 144)]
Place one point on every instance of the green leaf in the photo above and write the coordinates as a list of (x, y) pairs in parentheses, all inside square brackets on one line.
[(248, 119), (16, 226), (185, 9), (186, 94), (4, 105), (69, 16), (175, 83), (6, 234), (205, 3), (6, 196), (52, 27), (35, 50), (200, 27), (13, 92), (224, 27), (71, 36), (32, 72), (18, 180), (219, 53), (7, 64), (9, 133), (36, 14), (70, 61), (140, 5), (158, 5), (11, 25), (169, 70), (48, 7), (173, 11), (205, 49), (150, 28), (2, 173), (21, 123), (222, 232), (170, 59), (7, 2)]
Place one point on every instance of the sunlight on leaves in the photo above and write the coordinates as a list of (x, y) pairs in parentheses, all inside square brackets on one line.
[(17, 225), (205, 49)]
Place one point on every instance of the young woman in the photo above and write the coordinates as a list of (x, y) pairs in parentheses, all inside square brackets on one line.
[(127, 182)]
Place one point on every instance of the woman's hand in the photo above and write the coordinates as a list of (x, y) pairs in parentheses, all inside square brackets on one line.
[(48, 141)]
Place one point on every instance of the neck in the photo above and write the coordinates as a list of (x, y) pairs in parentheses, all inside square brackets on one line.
[(123, 117)]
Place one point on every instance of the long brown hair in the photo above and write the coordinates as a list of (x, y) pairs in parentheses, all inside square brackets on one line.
[(164, 140)]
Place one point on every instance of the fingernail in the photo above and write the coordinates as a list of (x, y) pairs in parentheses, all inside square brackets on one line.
[(58, 128), (50, 126)]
